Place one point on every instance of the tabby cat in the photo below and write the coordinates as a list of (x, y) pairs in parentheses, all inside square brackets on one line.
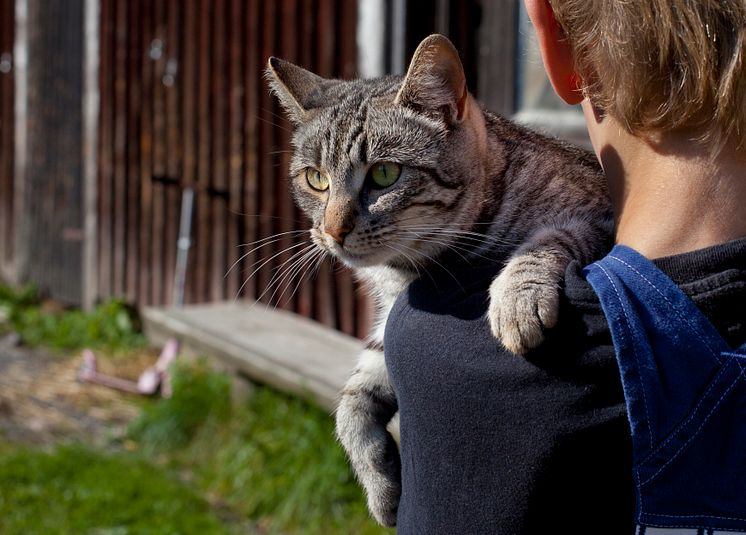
[(395, 172)]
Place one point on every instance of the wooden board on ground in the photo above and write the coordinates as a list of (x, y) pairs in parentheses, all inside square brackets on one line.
[(275, 347)]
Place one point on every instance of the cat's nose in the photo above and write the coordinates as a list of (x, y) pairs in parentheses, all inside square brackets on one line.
[(338, 233)]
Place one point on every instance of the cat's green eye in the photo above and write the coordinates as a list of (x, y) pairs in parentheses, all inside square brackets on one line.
[(316, 179), (384, 174)]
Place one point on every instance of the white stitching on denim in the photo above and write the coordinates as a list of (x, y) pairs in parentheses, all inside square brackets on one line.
[(683, 446), (698, 333), (688, 418), (634, 350), (693, 526), (699, 516)]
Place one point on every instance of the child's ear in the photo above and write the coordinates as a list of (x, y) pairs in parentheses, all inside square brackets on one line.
[(297, 89), (435, 79), (556, 52)]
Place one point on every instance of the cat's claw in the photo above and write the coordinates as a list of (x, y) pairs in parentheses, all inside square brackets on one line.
[(524, 301)]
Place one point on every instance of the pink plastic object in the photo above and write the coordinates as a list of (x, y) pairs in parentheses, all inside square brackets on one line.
[(149, 381)]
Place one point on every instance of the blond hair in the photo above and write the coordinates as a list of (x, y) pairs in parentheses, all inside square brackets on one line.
[(662, 65)]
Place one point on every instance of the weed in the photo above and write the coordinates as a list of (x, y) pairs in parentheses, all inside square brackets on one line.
[(112, 325)]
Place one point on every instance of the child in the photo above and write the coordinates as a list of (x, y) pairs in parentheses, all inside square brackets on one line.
[(663, 88), (504, 445)]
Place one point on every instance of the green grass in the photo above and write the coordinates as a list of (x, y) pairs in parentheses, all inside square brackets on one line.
[(111, 326), (75, 491), (273, 458)]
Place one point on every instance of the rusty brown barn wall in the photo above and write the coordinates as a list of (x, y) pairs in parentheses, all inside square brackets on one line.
[(184, 104), (7, 25)]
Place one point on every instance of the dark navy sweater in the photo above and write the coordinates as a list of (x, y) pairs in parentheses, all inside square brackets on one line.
[(499, 444)]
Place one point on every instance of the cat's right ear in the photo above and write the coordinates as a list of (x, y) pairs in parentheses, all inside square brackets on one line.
[(435, 79), (297, 89)]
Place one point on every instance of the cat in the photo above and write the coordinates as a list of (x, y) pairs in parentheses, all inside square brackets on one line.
[(394, 172)]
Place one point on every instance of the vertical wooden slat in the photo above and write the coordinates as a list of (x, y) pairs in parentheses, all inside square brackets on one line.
[(189, 110), (144, 221), (173, 82), (267, 132), (7, 119), (251, 133), (219, 178), (237, 31), (202, 215), (159, 57), (120, 146), (105, 155), (134, 102)]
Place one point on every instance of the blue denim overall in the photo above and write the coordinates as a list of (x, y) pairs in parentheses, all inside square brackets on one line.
[(685, 392)]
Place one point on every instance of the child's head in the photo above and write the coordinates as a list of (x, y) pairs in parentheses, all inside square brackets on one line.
[(662, 65)]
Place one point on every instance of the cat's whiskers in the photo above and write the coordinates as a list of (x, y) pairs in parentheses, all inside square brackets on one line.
[(405, 255), (431, 259), (290, 273), (276, 125), (285, 270), (447, 245), (316, 258), (466, 234), (265, 262), (272, 239), (428, 239)]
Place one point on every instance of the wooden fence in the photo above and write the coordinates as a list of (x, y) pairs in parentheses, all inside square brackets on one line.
[(184, 104)]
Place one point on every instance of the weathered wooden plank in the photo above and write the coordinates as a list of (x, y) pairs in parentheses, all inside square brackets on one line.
[(274, 347)]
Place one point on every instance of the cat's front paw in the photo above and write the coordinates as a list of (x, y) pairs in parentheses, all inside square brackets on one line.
[(524, 301), (383, 490), (372, 450)]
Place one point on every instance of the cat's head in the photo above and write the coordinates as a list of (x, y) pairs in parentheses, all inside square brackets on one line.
[(385, 168)]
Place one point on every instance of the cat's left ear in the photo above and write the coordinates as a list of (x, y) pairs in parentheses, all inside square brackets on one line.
[(435, 79), (298, 90)]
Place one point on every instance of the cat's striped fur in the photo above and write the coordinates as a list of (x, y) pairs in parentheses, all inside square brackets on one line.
[(471, 182)]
